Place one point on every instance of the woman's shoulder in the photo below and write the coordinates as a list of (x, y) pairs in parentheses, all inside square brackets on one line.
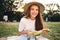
[(23, 19)]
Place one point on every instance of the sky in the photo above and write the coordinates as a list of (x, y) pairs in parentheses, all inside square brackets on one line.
[(44, 1)]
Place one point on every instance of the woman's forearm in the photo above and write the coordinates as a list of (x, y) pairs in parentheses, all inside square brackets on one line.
[(34, 32), (23, 32)]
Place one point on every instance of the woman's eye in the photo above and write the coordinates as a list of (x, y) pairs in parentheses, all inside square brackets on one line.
[(32, 9), (36, 9)]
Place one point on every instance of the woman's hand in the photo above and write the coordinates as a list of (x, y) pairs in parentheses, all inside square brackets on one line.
[(23, 32), (30, 33), (45, 31)]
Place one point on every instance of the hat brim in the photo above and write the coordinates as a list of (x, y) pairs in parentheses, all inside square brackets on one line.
[(42, 8)]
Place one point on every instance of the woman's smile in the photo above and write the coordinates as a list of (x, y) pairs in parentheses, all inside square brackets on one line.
[(33, 11)]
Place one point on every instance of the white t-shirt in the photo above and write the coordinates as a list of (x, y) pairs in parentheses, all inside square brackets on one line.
[(27, 24)]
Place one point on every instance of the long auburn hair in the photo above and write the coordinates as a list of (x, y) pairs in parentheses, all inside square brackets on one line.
[(38, 22)]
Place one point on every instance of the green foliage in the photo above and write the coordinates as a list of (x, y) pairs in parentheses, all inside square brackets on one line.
[(5, 6), (56, 17), (17, 16), (52, 17)]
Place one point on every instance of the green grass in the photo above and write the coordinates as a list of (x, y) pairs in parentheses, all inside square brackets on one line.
[(8, 29), (11, 28), (54, 33)]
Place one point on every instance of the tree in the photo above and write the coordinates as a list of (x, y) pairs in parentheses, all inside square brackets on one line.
[(52, 10), (5, 6)]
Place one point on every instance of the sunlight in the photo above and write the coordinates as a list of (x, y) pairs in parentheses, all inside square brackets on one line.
[(43, 1)]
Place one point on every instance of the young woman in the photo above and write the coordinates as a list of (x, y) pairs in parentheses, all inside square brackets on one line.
[(32, 24)]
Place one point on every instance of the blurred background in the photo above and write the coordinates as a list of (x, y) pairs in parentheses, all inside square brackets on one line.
[(11, 11)]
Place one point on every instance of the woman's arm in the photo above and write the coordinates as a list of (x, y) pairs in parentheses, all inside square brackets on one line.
[(26, 32), (23, 32)]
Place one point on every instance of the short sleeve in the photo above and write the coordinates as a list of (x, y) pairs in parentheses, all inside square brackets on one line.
[(21, 25)]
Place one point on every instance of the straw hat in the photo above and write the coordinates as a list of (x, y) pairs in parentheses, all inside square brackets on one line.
[(42, 8)]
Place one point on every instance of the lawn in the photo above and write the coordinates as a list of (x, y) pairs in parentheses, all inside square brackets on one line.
[(54, 33), (11, 28), (8, 29)]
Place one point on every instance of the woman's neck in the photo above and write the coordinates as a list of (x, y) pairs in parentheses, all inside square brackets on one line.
[(32, 18)]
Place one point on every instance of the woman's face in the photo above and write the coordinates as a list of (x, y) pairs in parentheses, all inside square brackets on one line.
[(33, 11)]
